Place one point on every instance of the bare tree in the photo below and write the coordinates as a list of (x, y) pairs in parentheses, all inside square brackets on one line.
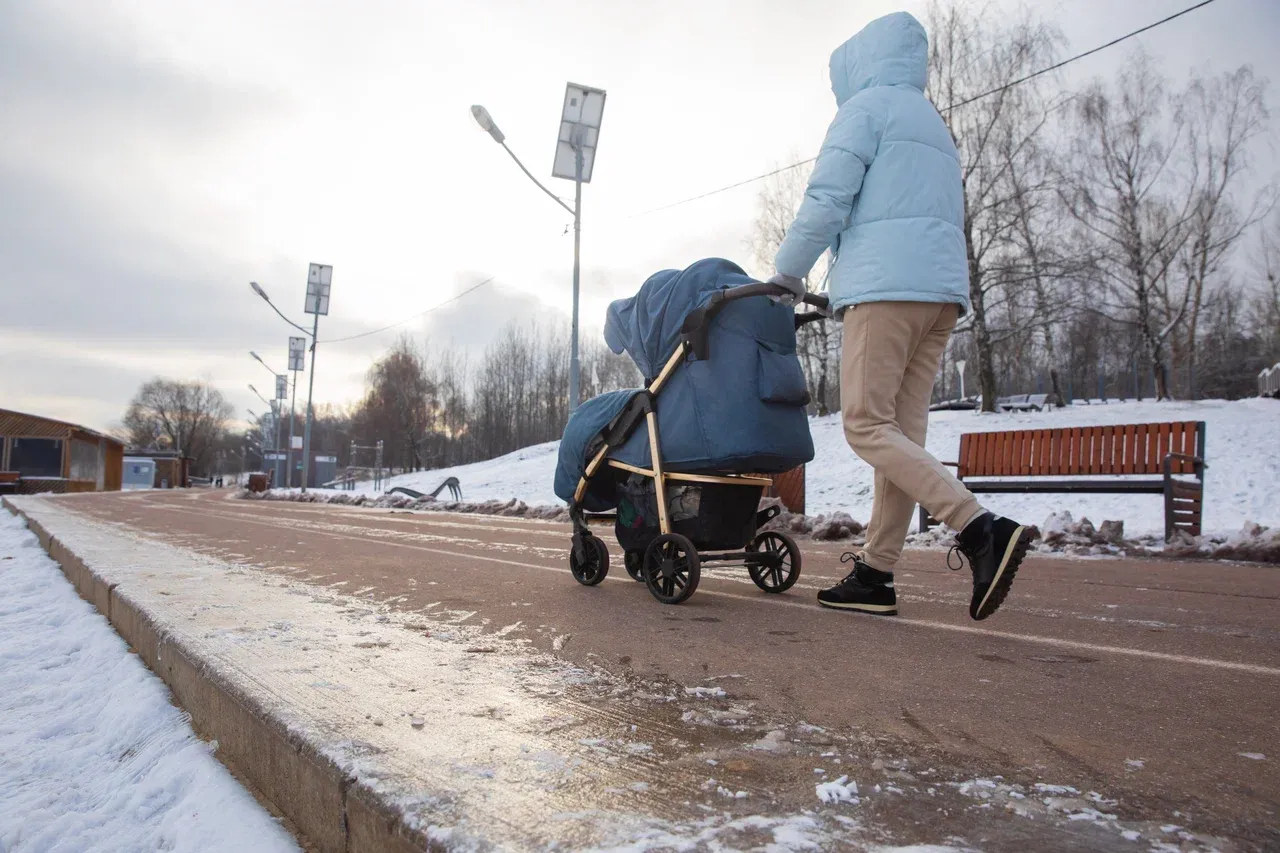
[(1224, 114), (398, 404), (1036, 262), (1126, 194), (189, 417), (1265, 309), (975, 55)]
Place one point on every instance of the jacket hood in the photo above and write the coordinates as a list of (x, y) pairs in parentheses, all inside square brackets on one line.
[(889, 51)]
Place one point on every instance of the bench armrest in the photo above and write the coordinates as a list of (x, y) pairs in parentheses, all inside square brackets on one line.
[(1184, 457)]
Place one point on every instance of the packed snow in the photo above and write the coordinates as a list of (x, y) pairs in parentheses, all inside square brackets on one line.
[(93, 756), (1242, 446)]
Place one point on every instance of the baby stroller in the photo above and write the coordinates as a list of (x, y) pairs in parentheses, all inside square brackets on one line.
[(680, 465)]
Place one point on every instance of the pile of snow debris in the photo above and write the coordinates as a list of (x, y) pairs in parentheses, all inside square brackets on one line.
[(1060, 533), (837, 527), (1063, 534), (511, 508)]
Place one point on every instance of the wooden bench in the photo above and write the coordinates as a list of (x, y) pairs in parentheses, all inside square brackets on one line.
[(1162, 459), (1023, 403), (9, 481)]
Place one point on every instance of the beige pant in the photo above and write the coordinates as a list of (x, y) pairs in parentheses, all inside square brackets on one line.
[(890, 359)]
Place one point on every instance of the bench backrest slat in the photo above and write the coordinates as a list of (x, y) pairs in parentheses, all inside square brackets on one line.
[(1081, 451)]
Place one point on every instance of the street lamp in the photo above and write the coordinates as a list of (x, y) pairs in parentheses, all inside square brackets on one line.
[(258, 447), (275, 424), (282, 393), (575, 159), (319, 280), (297, 357)]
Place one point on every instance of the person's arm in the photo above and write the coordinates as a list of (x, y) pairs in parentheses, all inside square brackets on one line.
[(846, 153)]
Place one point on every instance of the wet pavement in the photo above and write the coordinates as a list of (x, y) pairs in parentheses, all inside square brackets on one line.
[(1139, 696)]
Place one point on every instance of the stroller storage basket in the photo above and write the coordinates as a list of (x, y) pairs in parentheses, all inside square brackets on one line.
[(713, 516)]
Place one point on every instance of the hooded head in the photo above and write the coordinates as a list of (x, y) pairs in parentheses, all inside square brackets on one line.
[(889, 51)]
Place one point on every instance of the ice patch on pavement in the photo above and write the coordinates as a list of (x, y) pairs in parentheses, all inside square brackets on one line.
[(93, 755), (787, 834), (705, 692)]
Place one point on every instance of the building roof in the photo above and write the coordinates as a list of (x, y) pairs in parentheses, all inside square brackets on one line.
[(22, 425)]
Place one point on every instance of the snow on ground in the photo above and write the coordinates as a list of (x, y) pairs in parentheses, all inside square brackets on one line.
[(1243, 447), (526, 474), (92, 754)]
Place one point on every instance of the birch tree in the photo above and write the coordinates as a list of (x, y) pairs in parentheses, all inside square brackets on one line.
[(976, 54)]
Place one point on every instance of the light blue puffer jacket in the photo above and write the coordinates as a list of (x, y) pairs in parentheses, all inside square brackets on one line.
[(885, 194)]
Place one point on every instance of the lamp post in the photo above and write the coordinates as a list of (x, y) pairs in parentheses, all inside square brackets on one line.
[(275, 422), (283, 387), (297, 357), (259, 448), (319, 280), (575, 160)]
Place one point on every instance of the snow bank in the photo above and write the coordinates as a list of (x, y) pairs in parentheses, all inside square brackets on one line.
[(1242, 446), (92, 754)]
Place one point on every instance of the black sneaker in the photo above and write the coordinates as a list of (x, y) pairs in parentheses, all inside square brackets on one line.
[(994, 547), (866, 589)]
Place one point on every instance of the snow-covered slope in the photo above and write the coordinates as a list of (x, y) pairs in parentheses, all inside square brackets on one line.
[(1243, 445)]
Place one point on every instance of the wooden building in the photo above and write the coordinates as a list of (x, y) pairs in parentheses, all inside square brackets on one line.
[(44, 455)]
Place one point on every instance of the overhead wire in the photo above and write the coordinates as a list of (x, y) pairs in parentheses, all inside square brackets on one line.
[(449, 301), (949, 108)]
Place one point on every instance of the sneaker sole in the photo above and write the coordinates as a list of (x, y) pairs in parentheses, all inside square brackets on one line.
[(1000, 584), (874, 609)]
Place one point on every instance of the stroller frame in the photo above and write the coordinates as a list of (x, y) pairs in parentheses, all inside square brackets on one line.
[(671, 566)]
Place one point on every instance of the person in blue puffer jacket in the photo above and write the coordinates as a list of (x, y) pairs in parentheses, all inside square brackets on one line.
[(886, 198)]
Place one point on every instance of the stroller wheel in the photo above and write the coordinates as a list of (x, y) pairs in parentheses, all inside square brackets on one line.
[(633, 562), (779, 568), (595, 567), (671, 568)]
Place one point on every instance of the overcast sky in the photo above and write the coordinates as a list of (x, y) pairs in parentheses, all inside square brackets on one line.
[(157, 155)]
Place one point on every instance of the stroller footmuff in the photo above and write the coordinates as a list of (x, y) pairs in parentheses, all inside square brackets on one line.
[(679, 466)]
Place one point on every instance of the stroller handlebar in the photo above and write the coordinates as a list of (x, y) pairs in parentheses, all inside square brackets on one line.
[(819, 301), (694, 329)]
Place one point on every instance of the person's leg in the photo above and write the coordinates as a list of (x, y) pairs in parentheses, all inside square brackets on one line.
[(881, 341), (882, 380), (894, 508), (886, 379)]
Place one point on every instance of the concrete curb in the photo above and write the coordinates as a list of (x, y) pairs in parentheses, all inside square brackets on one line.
[(332, 812)]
